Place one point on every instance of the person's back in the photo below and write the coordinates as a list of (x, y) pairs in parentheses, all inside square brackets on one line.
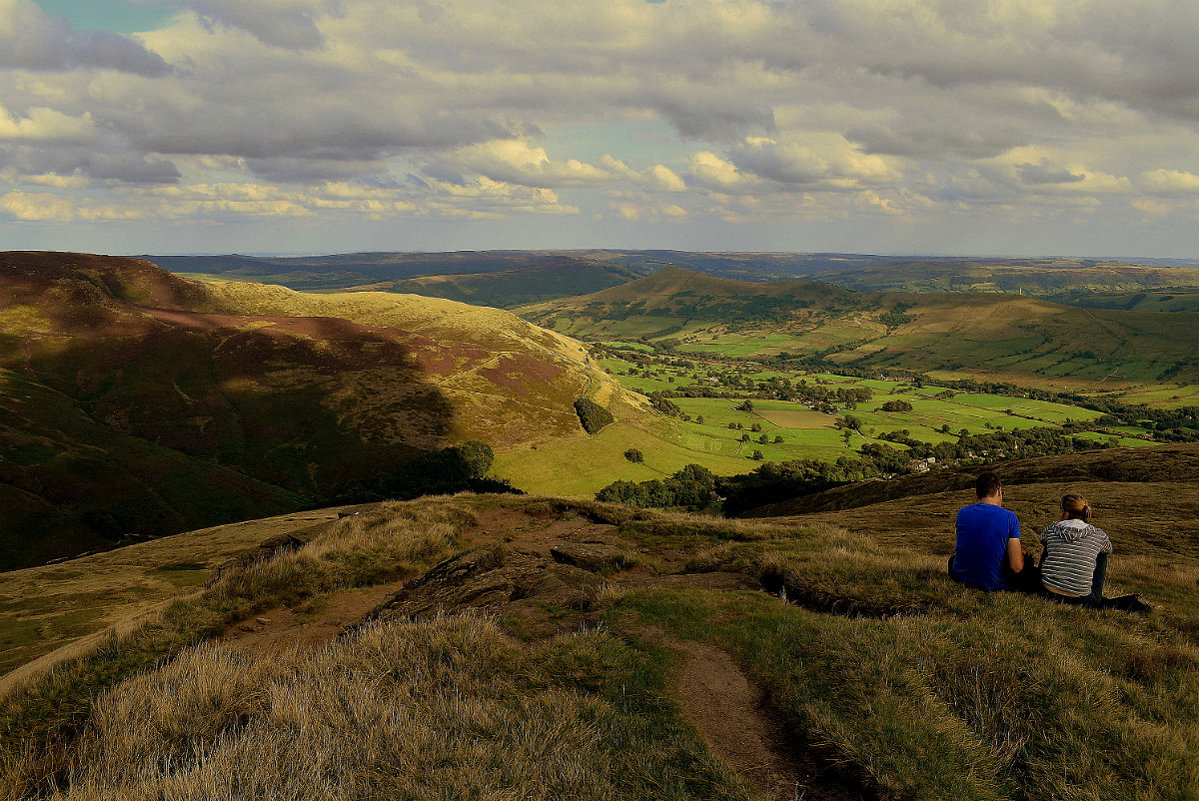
[(987, 552), (1072, 549)]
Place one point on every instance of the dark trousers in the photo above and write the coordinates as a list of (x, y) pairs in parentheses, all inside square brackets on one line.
[(1027, 580)]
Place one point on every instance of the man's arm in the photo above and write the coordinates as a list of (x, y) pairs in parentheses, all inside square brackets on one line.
[(1015, 556)]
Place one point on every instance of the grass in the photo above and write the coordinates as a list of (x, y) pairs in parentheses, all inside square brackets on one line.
[(393, 540), (923, 689), (448, 708), (916, 687)]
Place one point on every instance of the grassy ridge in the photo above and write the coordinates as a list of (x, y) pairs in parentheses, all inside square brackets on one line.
[(917, 687)]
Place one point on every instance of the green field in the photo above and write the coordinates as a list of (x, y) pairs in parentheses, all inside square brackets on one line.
[(711, 429)]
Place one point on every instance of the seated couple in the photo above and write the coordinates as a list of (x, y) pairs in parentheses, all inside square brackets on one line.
[(988, 554)]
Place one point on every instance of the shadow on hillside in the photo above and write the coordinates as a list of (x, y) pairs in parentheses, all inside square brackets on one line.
[(176, 420)]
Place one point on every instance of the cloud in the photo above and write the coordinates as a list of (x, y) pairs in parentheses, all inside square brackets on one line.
[(34, 40), (46, 125), (514, 161), (1043, 173), (489, 108), (816, 160), (1170, 182), (291, 24)]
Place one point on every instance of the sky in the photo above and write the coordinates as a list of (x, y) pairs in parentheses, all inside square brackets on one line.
[(953, 127)]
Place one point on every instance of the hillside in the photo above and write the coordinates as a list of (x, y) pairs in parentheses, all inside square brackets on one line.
[(136, 402), (1065, 279), (981, 334), (488, 646), (486, 278), (541, 279)]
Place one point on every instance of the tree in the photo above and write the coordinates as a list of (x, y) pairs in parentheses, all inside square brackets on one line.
[(778, 439), (746, 406), (592, 416), (634, 455), (763, 439), (756, 427), (897, 406), (757, 457), (745, 437)]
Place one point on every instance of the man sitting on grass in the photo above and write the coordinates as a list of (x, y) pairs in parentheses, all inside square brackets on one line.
[(988, 555)]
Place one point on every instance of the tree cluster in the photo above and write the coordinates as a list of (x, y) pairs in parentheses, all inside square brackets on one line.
[(693, 487), (592, 416), (460, 468)]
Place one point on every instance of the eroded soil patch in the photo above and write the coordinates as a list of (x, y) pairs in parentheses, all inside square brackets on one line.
[(730, 714)]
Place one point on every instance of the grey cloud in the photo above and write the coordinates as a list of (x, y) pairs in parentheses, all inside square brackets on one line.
[(1036, 174), (958, 139), (34, 40), (290, 26), (111, 166)]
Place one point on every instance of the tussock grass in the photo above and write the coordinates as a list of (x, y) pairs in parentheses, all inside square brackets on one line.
[(971, 696), (448, 709), (38, 724)]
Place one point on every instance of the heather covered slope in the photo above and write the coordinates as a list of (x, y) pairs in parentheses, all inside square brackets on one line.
[(139, 402)]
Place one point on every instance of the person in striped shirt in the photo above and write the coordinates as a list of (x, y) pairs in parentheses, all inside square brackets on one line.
[(1075, 560), (1074, 563)]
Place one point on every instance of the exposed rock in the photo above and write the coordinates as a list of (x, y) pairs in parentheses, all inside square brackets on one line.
[(597, 557), (508, 582)]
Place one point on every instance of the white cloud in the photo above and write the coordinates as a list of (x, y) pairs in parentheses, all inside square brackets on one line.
[(1171, 182), (515, 161), (46, 125)]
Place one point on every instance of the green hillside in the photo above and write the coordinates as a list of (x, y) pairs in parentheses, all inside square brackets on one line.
[(136, 402), (981, 334)]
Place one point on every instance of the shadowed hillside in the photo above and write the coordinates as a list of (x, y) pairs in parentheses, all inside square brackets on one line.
[(541, 279), (140, 403), (488, 278)]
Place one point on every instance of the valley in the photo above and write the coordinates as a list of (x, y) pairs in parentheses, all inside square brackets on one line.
[(217, 461)]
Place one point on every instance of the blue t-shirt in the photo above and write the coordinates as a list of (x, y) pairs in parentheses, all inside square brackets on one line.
[(981, 552)]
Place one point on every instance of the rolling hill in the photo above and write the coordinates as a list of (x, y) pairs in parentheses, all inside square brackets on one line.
[(982, 334), (489, 278), (541, 279), (137, 402), (1084, 282)]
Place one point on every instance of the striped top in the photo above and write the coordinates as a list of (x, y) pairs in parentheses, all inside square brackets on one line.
[(1071, 548)]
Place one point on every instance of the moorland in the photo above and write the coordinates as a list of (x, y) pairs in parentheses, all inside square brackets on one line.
[(554, 646)]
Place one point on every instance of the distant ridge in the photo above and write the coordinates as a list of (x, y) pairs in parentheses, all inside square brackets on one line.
[(671, 286), (1151, 464)]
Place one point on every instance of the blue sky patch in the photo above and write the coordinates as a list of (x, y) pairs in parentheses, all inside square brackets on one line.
[(109, 15)]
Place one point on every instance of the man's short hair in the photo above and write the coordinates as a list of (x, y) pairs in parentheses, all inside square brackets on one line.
[(987, 485)]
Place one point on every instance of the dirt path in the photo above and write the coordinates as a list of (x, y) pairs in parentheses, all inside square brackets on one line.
[(281, 628), (729, 713)]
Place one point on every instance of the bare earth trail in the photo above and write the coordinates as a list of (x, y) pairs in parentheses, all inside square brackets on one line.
[(731, 715)]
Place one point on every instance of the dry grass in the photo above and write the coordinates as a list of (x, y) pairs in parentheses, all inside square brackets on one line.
[(448, 709), (38, 724)]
